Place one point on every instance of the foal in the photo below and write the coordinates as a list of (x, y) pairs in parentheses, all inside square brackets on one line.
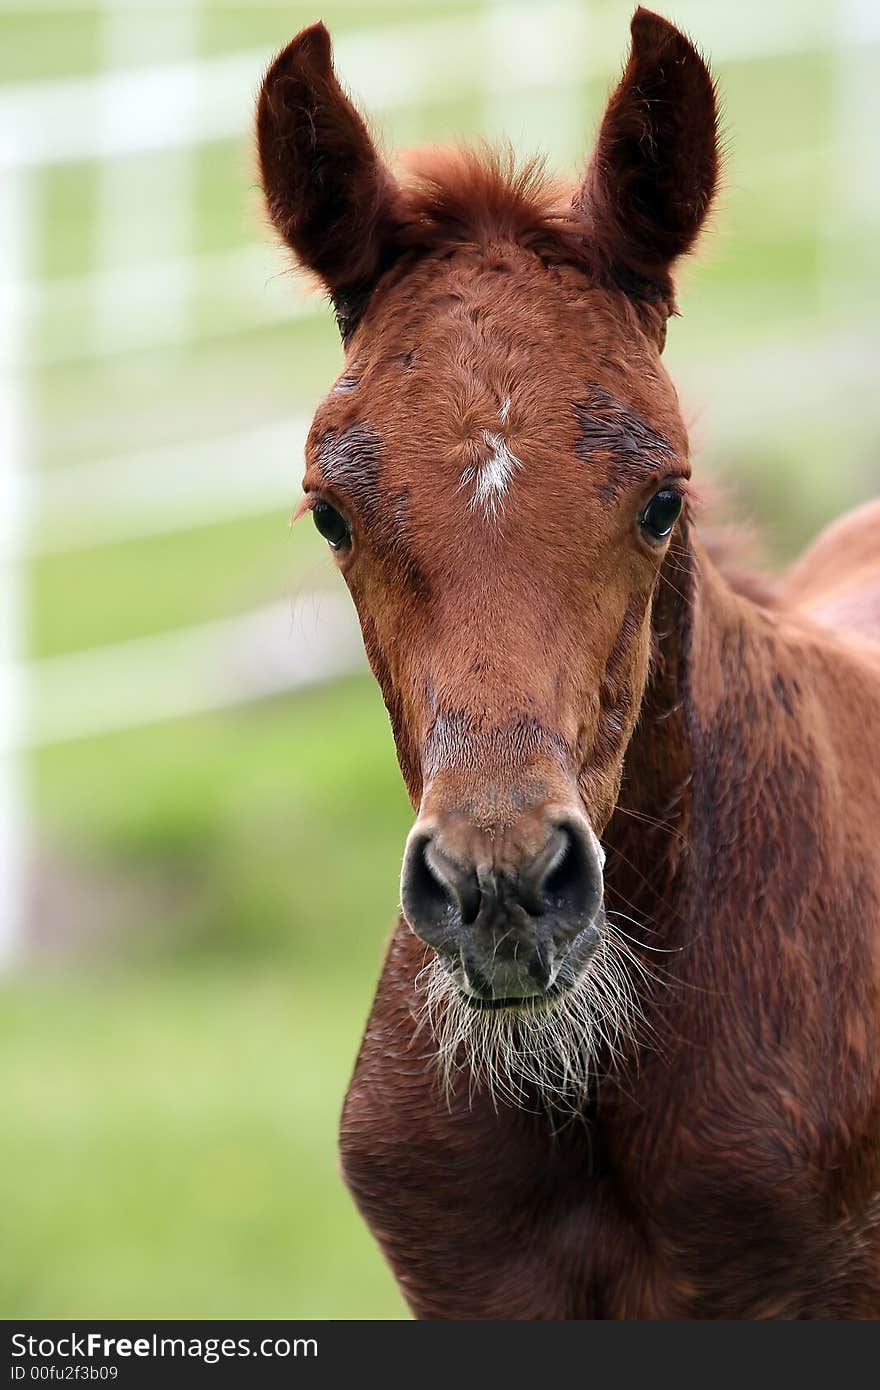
[(642, 893)]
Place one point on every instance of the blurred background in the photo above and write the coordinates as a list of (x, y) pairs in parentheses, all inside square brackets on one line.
[(201, 817)]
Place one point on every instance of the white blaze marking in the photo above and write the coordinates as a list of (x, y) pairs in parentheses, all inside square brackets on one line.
[(492, 476)]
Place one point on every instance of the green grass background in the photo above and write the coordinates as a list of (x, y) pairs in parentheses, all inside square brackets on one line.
[(212, 896)]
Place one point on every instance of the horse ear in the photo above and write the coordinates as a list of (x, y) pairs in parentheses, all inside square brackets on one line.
[(328, 192), (650, 183)]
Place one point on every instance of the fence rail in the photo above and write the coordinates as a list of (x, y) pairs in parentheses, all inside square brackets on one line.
[(273, 650)]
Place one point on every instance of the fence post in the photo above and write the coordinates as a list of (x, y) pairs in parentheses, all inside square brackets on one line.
[(15, 241), (146, 198)]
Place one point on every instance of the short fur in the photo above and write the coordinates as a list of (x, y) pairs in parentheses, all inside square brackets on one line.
[(696, 1132)]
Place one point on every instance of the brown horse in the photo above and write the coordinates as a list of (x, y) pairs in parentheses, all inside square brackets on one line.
[(661, 1052)]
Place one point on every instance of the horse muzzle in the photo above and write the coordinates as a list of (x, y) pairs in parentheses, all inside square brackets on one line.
[(513, 910)]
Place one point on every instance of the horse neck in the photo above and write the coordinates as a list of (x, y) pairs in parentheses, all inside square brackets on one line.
[(734, 848), (708, 732)]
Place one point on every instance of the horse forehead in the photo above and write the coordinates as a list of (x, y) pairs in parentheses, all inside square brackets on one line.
[(479, 319), (471, 399), (484, 444), (494, 394), (480, 434), (475, 374)]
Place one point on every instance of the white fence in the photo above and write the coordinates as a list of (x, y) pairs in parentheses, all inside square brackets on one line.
[(166, 111)]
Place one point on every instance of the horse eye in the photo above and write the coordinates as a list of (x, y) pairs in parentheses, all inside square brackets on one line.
[(661, 513), (333, 527)]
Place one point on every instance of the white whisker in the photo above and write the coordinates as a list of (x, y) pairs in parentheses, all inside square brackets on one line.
[(549, 1050)]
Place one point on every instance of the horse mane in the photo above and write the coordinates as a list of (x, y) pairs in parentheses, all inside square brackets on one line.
[(478, 195), (734, 549), (733, 541)]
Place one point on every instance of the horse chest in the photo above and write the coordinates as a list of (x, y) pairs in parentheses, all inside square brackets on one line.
[(693, 1227)]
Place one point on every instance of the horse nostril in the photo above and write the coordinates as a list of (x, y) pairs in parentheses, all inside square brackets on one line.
[(435, 891), (572, 883)]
